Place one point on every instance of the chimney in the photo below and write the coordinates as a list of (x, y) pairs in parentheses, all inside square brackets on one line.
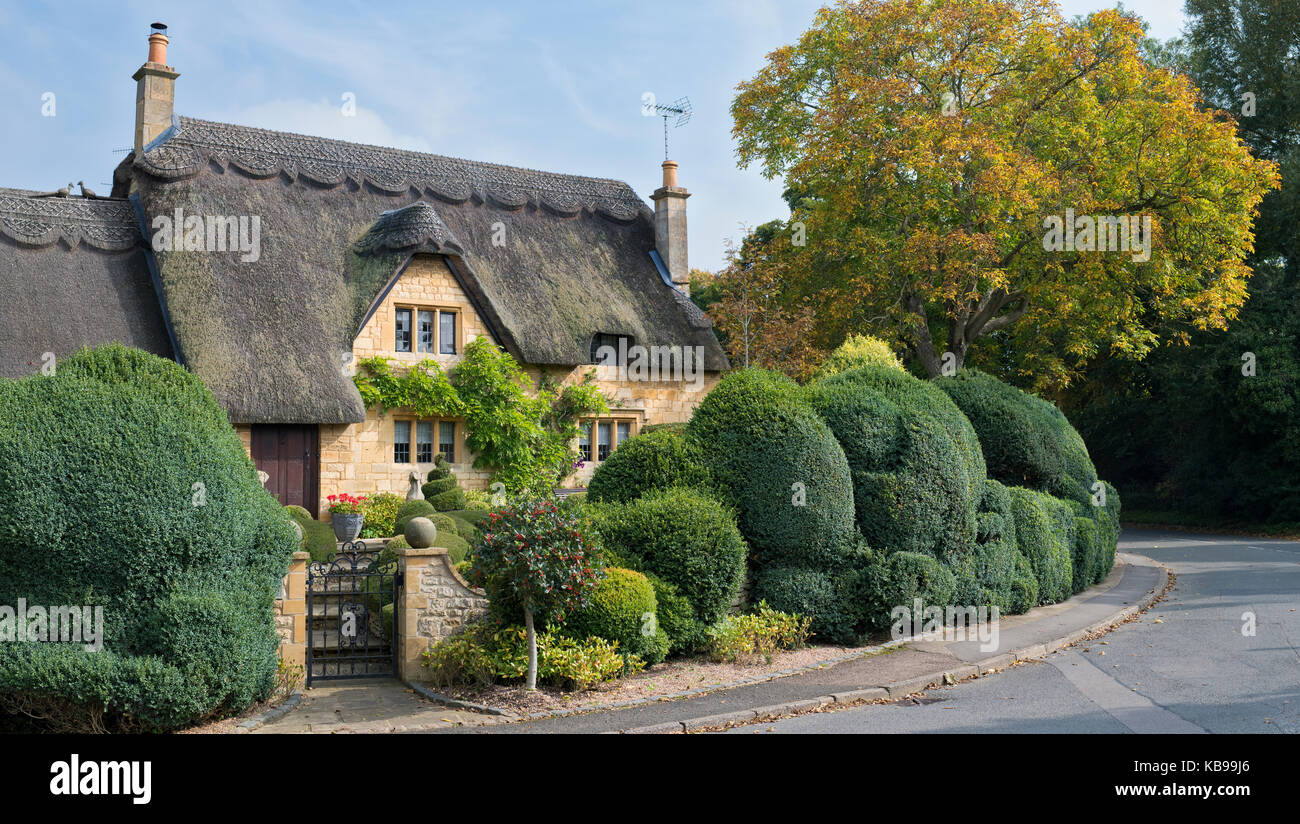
[(670, 227), (155, 93)]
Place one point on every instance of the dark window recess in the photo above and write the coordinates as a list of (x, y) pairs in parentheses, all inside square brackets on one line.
[(426, 331), (424, 442), (600, 340), (447, 333), (602, 441), (624, 432), (403, 342), (402, 441), (447, 440), (584, 442)]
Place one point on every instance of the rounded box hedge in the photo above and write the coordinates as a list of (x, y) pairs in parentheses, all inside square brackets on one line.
[(126, 488), (918, 473), (656, 459), (1027, 441), (779, 466), (684, 538)]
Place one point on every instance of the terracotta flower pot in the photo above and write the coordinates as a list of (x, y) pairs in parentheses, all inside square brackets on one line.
[(347, 525)]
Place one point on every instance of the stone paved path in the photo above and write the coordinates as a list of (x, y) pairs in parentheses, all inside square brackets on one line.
[(370, 706)]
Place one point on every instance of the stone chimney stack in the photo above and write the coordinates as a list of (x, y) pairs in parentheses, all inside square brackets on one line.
[(670, 227), (155, 94)]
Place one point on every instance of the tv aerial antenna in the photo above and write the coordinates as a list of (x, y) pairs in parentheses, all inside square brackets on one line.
[(680, 110)]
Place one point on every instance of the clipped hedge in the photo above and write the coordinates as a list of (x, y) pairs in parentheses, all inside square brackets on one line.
[(683, 537), (858, 351), (677, 618), (622, 609), (913, 576), (656, 459), (777, 464), (125, 487), (318, 537), (1027, 441), (414, 509), (915, 462), (828, 600), (443, 490), (1038, 517), (1003, 576)]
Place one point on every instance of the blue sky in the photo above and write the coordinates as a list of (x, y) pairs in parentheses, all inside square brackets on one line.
[(553, 86)]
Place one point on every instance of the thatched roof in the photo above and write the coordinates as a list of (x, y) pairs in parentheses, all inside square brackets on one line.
[(72, 274), (339, 221)]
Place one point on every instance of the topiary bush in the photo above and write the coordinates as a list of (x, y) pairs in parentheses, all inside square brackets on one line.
[(380, 511), (126, 488), (1002, 575), (677, 618), (656, 459), (913, 575), (683, 537), (318, 537), (775, 462), (1037, 517), (858, 351), (443, 490), (1027, 441), (414, 509), (839, 605), (622, 609), (917, 470)]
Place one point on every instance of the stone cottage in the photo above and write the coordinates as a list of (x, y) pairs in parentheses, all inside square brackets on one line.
[(271, 263)]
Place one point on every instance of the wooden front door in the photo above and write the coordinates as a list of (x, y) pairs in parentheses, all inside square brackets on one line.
[(289, 454)]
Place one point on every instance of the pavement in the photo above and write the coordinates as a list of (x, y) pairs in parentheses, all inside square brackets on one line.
[(883, 676), (371, 705), (1218, 655)]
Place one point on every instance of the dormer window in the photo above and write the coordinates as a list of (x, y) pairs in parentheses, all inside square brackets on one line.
[(606, 349), (427, 330)]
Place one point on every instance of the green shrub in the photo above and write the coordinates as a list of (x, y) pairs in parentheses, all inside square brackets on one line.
[(443, 490), (1036, 520), (126, 488), (858, 351), (832, 603), (680, 535), (757, 635), (918, 474), (676, 617), (486, 652), (413, 509), (380, 511), (622, 609), (913, 575), (653, 460), (779, 467), (464, 569), (1002, 575), (458, 548), (318, 537), (1027, 441)]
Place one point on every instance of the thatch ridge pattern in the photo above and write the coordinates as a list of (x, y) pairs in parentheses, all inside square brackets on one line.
[(328, 162), (109, 225)]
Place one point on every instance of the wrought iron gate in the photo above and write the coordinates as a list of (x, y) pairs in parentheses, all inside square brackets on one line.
[(348, 636)]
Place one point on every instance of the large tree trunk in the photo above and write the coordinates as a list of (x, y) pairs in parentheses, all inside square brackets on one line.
[(531, 682)]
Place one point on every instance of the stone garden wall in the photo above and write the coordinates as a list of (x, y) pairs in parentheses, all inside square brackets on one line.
[(434, 602)]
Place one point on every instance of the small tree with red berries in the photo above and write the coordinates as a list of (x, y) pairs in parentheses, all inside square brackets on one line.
[(534, 556)]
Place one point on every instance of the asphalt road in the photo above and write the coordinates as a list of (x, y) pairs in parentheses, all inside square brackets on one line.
[(1191, 664)]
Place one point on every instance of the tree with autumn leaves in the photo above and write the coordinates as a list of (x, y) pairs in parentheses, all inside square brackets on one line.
[(927, 146)]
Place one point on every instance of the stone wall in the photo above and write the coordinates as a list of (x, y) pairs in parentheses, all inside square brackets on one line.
[(291, 611), (434, 602)]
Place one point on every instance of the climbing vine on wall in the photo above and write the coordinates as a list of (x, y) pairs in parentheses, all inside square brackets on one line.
[(522, 432)]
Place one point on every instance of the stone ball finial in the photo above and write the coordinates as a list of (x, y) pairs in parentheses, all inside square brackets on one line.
[(420, 533), (414, 493)]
